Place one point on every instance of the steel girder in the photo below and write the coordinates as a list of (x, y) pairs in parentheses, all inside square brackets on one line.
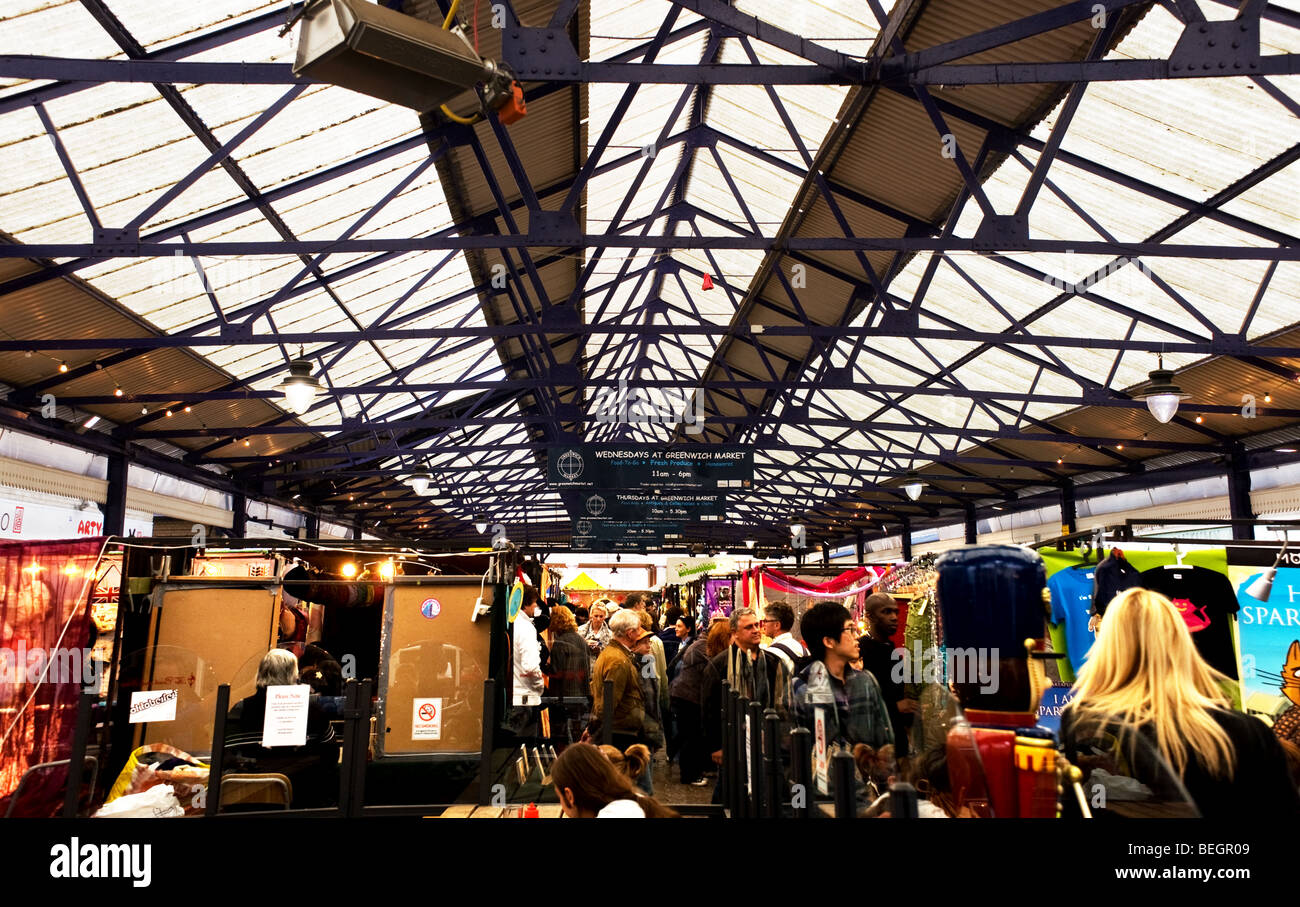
[(915, 70)]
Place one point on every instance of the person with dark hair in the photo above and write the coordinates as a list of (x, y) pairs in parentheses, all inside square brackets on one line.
[(853, 708), (878, 658), (668, 635), (581, 615), (570, 673), (757, 675), (325, 677), (528, 673), (589, 786), (778, 625), (685, 691)]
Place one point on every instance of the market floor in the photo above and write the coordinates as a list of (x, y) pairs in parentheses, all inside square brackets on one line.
[(669, 790)]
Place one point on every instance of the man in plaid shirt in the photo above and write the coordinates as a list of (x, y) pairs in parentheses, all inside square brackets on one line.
[(859, 714)]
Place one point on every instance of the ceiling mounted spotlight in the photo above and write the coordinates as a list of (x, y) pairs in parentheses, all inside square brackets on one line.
[(914, 486), (1162, 396), (299, 386), (63, 367), (117, 390)]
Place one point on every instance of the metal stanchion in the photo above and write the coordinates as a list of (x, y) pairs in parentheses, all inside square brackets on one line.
[(734, 768), (607, 716), (772, 765), (218, 751), (727, 720), (489, 738), (77, 760), (801, 769), (842, 776), (754, 766), (360, 748), (902, 801), (350, 699)]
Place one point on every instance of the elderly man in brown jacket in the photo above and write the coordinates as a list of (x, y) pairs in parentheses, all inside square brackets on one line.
[(618, 664)]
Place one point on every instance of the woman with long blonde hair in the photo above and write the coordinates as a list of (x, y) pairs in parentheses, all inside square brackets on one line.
[(1145, 685)]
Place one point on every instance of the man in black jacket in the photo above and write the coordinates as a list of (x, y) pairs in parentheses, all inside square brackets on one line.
[(758, 675), (878, 657)]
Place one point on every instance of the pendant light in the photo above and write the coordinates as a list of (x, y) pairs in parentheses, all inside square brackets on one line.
[(420, 482), (914, 485), (749, 543), (299, 386), (480, 524), (1162, 396)]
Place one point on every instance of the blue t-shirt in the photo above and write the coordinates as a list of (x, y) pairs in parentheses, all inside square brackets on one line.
[(1071, 601)]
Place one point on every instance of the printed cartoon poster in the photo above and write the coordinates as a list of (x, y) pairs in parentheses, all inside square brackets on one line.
[(1269, 634)]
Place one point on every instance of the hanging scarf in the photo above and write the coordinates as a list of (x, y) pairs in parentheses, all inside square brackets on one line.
[(749, 677)]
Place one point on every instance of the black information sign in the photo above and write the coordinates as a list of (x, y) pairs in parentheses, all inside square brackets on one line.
[(687, 506), (621, 535), (651, 466)]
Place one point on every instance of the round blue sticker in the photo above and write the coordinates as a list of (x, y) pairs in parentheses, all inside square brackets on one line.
[(431, 608)]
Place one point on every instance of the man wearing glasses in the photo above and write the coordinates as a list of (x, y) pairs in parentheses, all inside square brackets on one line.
[(778, 626), (852, 704)]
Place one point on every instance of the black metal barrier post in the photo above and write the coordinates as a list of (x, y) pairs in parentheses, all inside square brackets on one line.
[(772, 764), (734, 770), (218, 761), (350, 690), (902, 801), (754, 730), (358, 743), (842, 771), (801, 771), (77, 761), (727, 720), (489, 739), (607, 715)]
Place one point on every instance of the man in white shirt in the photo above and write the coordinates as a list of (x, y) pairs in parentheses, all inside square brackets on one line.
[(778, 625), (529, 681)]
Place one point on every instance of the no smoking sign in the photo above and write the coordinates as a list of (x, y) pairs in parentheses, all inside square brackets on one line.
[(426, 719)]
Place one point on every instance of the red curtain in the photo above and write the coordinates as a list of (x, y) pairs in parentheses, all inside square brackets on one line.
[(45, 635)]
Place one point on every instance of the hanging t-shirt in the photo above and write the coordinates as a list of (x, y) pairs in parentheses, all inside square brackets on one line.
[(1111, 577), (1206, 601), (1071, 605)]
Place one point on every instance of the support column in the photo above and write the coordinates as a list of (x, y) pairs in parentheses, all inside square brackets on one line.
[(907, 539), (356, 531), (1239, 506), (826, 554), (239, 515), (115, 500), (862, 548), (1069, 512), (313, 526), (972, 525)]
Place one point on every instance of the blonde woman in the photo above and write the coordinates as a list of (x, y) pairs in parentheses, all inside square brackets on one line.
[(595, 632), (1147, 705)]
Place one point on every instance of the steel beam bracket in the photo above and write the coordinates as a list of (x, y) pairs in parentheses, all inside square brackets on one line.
[(1230, 345), (900, 321), (539, 53), (565, 374), (998, 231), (560, 317), (1231, 46), (557, 227), (108, 242), (237, 331)]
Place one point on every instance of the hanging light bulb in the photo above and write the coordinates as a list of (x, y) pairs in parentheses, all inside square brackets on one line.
[(480, 524), (914, 485), (63, 367), (420, 482), (299, 386), (749, 543), (1162, 395), (349, 570), (386, 570), (117, 390)]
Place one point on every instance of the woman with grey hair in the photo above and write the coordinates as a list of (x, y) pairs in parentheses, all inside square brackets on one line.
[(312, 768)]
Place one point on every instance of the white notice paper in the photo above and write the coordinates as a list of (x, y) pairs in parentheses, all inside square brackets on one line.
[(749, 757), (286, 715), (153, 705), (819, 733), (426, 719)]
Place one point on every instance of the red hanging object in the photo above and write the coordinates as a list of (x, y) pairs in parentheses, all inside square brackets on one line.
[(708, 283)]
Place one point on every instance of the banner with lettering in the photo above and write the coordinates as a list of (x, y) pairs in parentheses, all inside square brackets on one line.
[(1268, 626), (652, 466)]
